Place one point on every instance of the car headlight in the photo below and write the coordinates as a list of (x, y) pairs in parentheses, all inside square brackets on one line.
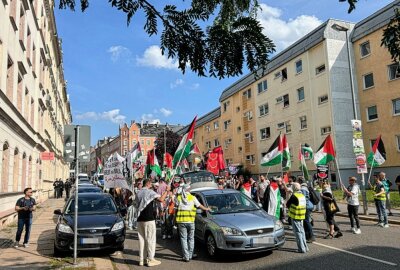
[(65, 228), (118, 226), (231, 231), (278, 225)]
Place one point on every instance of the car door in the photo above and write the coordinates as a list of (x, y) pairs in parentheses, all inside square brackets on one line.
[(201, 220)]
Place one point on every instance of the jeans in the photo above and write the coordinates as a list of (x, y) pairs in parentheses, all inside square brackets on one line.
[(147, 240), (308, 229), (388, 204), (186, 234), (380, 209), (353, 215), (27, 222), (300, 235)]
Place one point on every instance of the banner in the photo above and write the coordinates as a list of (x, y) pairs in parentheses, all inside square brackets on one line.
[(114, 172), (323, 171), (358, 147)]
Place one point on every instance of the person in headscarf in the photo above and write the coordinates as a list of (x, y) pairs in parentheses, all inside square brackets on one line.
[(146, 222)]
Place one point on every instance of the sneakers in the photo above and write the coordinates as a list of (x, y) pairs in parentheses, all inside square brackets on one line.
[(357, 231), (353, 230), (381, 225), (386, 226), (390, 214), (153, 262), (26, 245), (169, 236), (164, 237), (16, 245)]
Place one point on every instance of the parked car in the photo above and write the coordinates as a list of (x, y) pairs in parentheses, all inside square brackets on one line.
[(199, 179), (236, 224), (89, 189), (100, 224)]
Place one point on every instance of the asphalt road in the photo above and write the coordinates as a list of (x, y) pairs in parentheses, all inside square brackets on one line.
[(376, 248)]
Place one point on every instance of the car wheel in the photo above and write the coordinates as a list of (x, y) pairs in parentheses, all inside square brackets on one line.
[(120, 247), (212, 249), (58, 253)]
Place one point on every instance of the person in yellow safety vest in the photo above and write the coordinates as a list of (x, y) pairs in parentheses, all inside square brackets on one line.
[(186, 205), (297, 212), (380, 200)]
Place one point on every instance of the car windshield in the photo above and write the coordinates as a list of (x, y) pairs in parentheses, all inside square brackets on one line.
[(85, 190), (196, 177), (92, 205), (227, 203)]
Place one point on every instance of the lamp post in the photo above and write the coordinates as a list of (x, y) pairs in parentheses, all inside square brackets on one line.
[(342, 28)]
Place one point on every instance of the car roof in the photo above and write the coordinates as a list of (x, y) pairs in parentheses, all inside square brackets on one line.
[(216, 191), (91, 195)]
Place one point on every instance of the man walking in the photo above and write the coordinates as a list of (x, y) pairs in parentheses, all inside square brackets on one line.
[(386, 184), (380, 199), (67, 186), (24, 206), (186, 204), (297, 212), (145, 200), (308, 228), (351, 193)]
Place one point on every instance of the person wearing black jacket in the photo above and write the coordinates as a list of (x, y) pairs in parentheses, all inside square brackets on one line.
[(67, 186), (397, 181)]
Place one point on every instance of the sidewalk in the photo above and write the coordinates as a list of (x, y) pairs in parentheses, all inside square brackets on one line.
[(39, 254), (372, 215)]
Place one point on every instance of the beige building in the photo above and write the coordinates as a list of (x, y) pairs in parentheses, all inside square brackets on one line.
[(378, 80), (34, 104)]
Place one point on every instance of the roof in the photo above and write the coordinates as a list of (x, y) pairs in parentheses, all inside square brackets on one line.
[(293, 51), (214, 114), (374, 22)]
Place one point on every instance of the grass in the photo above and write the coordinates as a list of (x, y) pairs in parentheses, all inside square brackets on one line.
[(394, 197), (67, 264)]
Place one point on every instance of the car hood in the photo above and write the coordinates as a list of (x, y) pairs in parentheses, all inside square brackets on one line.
[(245, 220), (92, 221)]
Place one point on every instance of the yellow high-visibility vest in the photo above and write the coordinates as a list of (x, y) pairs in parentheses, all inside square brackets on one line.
[(381, 197), (298, 212), (185, 216)]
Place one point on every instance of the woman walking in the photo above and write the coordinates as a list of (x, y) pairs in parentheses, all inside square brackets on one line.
[(331, 209)]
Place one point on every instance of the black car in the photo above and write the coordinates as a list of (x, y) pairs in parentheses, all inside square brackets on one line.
[(100, 224), (89, 189)]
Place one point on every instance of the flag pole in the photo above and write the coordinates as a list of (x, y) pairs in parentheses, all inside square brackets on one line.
[(370, 169), (269, 168), (337, 167), (301, 162)]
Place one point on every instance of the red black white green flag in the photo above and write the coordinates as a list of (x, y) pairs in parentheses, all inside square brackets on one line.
[(378, 155)]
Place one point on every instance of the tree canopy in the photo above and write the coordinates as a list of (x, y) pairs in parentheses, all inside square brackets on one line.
[(172, 139), (216, 38)]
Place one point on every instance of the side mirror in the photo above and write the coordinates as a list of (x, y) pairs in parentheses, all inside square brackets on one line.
[(57, 212)]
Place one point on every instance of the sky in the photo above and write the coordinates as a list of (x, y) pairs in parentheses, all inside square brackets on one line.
[(115, 73)]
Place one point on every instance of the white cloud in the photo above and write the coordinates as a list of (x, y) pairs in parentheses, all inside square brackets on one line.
[(152, 57), (283, 33), (150, 118), (176, 83), (112, 115), (195, 86), (165, 112), (118, 52)]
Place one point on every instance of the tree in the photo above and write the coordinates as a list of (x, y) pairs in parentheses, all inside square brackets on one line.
[(173, 141), (215, 37)]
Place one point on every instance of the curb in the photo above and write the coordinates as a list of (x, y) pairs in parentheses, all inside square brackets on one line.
[(363, 217)]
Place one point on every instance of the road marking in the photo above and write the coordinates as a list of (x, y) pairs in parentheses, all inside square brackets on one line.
[(355, 254)]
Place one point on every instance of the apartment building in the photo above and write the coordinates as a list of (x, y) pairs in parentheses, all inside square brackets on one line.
[(207, 133), (378, 81), (34, 104)]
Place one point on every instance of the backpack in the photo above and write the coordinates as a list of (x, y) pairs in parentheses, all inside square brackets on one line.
[(313, 196)]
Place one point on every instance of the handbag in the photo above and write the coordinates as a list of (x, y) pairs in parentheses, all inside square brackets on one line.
[(333, 207)]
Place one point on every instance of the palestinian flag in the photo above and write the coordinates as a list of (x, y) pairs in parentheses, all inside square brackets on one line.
[(182, 166), (195, 150), (378, 155), (274, 154), (303, 165), (99, 166), (273, 200), (325, 153), (286, 162), (167, 160), (136, 152), (152, 163), (246, 189), (307, 152), (185, 145)]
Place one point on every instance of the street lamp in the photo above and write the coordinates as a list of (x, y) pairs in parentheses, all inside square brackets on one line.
[(342, 28)]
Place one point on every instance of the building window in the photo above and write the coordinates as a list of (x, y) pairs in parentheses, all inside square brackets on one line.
[(238, 109), (207, 128), (285, 100), (10, 79), (226, 124), (262, 86), (277, 75), (263, 109), (225, 105), (240, 149), (208, 145), (372, 113), (238, 129), (134, 142), (279, 99), (322, 99), (142, 141), (125, 142), (227, 142), (281, 125), (394, 71), (303, 122), (288, 127), (396, 106), (300, 94), (284, 74), (299, 66), (148, 142), (251, 159), (247, 93), (265, 133), (320, 69), (134, 132), (368, 80), (248, 115), (398, 142), (365, 49), (216, 142), (216, 125), (325, 130), (249, 137)]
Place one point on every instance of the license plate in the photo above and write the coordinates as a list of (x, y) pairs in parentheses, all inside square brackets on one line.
[(97, 240), (262, 241)]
